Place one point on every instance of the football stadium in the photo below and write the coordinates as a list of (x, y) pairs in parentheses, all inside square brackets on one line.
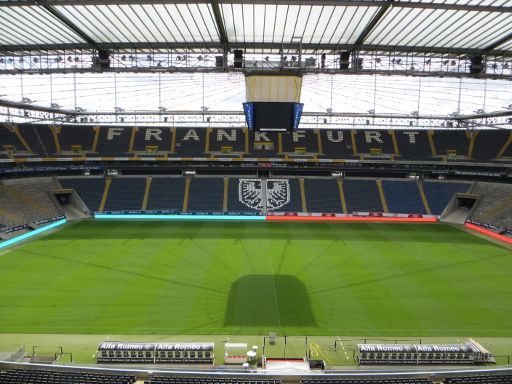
[(256, 191)]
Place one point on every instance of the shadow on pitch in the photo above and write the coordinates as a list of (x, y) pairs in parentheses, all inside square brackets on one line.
[(269, 300)]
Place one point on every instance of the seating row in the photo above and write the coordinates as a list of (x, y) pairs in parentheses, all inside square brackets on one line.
[(247, 195), (28, 140), (38, 376)]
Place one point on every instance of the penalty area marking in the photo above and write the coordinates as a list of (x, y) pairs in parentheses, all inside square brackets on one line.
[(316, 348)]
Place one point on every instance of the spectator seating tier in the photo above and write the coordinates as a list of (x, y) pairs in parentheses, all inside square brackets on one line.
[(322, 196), (27, 201), (276, 195), (439, 194), (244, 195), (494, 206), (206, 194), (210, 380), (488, 144), (166, 193), (125, 194), (374, 142), (403, 196), (451, 140), (413, 144), (200, 142), (362, 196), (90, 189), (39, 376)]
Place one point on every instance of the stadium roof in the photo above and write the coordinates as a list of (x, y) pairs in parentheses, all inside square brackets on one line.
[(436, 26)]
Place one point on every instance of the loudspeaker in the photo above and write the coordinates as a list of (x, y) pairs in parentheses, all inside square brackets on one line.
[(103, 59), (476, 65), (219, 61), (103, 54), (344, 60), (239, 58)]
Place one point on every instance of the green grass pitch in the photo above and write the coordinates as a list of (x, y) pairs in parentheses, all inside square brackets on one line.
[(245, 278)]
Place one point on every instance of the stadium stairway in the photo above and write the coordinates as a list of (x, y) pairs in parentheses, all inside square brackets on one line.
[(26, 201), (495, 205)]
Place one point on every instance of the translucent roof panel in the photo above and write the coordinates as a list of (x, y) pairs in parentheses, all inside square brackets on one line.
[(144, 22), (326, 26), (33, 25), (506, 46), (280, 23), (445, 28), (497, 3)]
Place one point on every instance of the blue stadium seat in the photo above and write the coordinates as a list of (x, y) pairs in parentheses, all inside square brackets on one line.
[(362, 196), (76, 135), (275, 199), (451, 140), (403, 196), (489, 143), (166, 193), (126, 193), (90, 189), (206, 194), (113, 141), (322, 196), (440, 193), (413, 144), (240, 199)]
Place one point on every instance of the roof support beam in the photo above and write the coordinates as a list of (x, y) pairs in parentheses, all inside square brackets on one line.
[(497, 43), (353, 3), (35, 107), (217, 46), (67, 22), (220, 24), (373, 22)]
